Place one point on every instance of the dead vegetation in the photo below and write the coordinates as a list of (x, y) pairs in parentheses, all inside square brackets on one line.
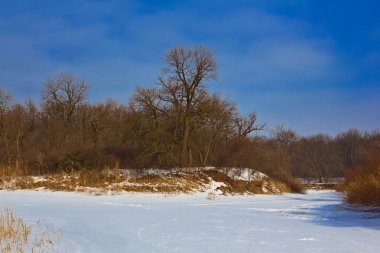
[(362, 184), (288, 181), (101, 183), (151, 181), (232, 186), (17, 236)]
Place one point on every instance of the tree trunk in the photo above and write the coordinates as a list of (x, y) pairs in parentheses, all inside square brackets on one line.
[(185, 142)]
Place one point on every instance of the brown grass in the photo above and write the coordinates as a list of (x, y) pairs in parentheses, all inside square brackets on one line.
[(73, 181), (363, 186), (235, 186), (17, 236), (100, 182), (175, 181), (288, 182)]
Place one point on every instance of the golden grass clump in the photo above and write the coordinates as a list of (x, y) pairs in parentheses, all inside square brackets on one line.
[(285, 181), (17, 236), (363, 186)]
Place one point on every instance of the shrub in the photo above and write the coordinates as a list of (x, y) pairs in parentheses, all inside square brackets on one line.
[(288, 180), (362, 184)]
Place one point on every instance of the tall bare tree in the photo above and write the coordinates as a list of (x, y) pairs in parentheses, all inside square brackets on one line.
[(63, 94), (283, 139), (65, 90), (185, 74), (5, 98), (186, 71)]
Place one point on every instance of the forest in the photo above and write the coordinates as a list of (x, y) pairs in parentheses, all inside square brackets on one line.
[(177, 122)]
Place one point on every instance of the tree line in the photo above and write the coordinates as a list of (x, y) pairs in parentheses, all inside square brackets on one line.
[(177, 122)]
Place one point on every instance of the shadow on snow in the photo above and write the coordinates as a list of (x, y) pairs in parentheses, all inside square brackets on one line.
[(331, 210)]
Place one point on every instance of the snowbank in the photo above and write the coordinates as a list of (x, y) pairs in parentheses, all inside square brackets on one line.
[(200, 179)]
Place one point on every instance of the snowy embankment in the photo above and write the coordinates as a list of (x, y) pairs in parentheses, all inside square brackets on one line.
[(315, 222), (179, 180)]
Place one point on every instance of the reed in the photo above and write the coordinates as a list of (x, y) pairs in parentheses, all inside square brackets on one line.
[(17, 236)]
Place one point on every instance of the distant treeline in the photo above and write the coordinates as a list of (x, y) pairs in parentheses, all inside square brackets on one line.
[(178, 122)]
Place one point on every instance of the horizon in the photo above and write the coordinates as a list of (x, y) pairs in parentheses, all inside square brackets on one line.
[(309, 66)]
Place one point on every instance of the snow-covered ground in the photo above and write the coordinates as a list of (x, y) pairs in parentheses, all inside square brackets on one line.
[(316, 222)]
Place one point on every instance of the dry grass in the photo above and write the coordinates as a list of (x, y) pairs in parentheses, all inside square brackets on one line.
[(286, 181), (235, 186), (363, 186), (96, 182), (282, 187), (17, 236), (174, 181), (73, 181)]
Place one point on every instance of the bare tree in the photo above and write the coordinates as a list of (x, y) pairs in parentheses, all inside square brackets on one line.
[(183, 111), (5, 98), (318, 156), (283, 139), (214, 124), (247, 124), (64, 92), (182, 87), (350, 143)]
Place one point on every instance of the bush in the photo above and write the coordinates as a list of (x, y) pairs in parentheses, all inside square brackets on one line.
[(362, 184), (288, 180)]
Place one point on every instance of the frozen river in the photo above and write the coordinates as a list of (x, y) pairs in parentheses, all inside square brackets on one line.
[(315, 222)]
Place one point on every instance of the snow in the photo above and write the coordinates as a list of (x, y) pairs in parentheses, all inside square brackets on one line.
[(37, 179), (213, 187), (315, 222), (245, 174)]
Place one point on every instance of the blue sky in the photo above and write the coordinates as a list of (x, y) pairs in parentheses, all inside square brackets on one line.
[(312, 66)]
